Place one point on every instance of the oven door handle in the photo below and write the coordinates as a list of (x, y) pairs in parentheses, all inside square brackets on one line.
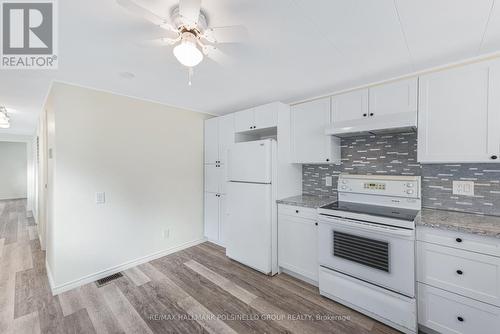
[(365, 226)]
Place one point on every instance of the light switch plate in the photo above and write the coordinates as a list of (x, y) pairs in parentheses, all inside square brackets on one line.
[(464, 188), (328, 181), (100, 197)]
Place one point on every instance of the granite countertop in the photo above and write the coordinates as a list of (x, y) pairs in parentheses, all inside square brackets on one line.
[(307, 201), (461, 222)]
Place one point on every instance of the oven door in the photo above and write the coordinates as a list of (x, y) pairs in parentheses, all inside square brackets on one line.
[(379, 254)]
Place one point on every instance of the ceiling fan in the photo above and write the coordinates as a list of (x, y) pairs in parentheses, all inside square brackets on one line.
[(188, 31)]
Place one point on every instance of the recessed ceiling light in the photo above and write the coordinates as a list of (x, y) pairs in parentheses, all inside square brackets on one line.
[(127, 75)]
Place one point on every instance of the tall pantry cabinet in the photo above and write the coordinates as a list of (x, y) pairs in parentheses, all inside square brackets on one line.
[(219, 135)]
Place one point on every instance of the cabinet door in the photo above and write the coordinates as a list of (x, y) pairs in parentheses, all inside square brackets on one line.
[(222, 178), (449, 313), (352, 106), (393, 98), (298, 246), (266, 116), (459, 114), (214, 177), (310, 144), (226, 136), (211, 141), (212, 216), (222, 220), (244, 120)]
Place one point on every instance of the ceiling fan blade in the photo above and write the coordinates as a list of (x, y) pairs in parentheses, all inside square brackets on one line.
[(229, 34), (163, 41), (215, 54), (141, 11), (189, 10), (134, 8)]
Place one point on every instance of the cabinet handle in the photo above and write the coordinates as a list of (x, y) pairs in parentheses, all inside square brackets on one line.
[(364, 115), (458, 239), (460, 272), (371, 114), (494, 157), (327, 160), (459, 318), (296, 211), (316, 223)]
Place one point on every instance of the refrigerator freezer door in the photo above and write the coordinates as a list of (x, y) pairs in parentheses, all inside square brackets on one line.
[(249, 225), (250, 161)]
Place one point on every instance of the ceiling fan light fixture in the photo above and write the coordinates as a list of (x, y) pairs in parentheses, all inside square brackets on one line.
[(187, 51)]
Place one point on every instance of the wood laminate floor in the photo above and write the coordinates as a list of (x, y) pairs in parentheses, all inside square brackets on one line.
[(198, 290)]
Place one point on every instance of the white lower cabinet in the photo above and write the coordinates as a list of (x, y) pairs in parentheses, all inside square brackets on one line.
[(298, 241), (467, 273), (446, 312), (214, 217), (458, 282)]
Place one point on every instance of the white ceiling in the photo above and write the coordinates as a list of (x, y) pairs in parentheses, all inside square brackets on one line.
[(296, 49)]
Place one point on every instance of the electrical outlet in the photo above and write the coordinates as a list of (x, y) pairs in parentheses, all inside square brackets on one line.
[(100, 197), (464, 188), (328, 181)]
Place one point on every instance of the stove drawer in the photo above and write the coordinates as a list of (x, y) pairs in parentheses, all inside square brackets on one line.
[(469, 274), (447, 312)]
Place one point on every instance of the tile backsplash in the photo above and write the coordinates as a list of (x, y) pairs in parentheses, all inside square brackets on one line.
[(396, 154)]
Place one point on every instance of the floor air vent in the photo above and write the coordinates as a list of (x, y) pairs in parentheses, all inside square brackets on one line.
[(107, 280)]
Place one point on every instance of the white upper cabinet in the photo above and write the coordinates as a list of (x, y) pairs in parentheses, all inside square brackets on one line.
[(393, 98), (212, 140), (350, 106), (266, 116), (379, 108), (244, 120), (459, 114), (219, 135), (309, 142), (261, 117)]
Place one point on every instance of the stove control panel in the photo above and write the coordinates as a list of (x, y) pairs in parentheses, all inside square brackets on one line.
[(399, 186), (374, 186)]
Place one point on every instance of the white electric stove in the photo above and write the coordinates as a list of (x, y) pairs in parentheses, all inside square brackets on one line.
[(367, 247)]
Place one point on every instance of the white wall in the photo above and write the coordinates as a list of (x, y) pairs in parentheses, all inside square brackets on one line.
[(146, 157), (13, 170)]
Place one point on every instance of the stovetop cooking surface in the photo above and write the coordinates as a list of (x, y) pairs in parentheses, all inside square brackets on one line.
[(373, 210)]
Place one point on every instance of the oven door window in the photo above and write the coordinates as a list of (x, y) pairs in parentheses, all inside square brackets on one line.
[(365, 251)]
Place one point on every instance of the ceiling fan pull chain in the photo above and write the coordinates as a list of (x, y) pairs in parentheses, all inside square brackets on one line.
[(190, 75)]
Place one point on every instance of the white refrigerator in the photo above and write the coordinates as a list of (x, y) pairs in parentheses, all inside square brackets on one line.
[(251, 225)]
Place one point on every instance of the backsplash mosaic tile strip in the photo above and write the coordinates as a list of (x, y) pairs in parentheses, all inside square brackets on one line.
[(437, 187), (396, 154)]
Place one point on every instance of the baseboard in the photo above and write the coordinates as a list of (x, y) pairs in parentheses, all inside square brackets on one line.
[(298, 276), (124, 266), (49, 276)]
